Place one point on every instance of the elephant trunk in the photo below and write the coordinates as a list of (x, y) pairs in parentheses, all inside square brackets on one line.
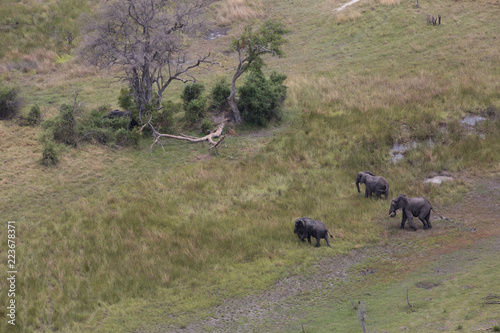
[(392, 211), (357, 185)]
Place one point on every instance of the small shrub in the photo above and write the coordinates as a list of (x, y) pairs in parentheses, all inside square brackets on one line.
[(195, 110), (50, 155), (164, 120), (192, 92), (496, 328), (127, 138), (206, 126), (34, 116), (218, 96), (10, 102), (65, 126)]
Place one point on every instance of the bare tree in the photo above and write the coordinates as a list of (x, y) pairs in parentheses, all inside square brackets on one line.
[(146, 39), (250, 46)]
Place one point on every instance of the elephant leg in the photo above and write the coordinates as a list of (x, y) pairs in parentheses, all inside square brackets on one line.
[(403, 221), (410, 222), (427, 218), (424, 222), (317, 241), (309, 238), (386, 194)]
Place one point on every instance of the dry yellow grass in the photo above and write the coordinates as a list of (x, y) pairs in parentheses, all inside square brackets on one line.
[(239, 10), (347, 16), (389, 2)]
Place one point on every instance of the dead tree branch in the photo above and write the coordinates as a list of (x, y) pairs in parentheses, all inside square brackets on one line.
[(217, 133), (362, 313), (408, 300)]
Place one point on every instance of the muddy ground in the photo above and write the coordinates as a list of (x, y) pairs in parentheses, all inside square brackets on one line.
[(475, 223)]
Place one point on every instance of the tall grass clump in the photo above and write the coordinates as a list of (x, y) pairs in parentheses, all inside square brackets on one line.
[(347, 16), (389, 2), (230, 11)]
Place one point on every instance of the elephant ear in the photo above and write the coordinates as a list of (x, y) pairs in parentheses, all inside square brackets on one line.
[(369, 173)]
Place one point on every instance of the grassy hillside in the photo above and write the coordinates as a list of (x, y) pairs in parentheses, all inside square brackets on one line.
[(109, 232)]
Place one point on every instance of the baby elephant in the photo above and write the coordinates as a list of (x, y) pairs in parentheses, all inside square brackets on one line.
[(420, 207), (306, 227), (373, 184)]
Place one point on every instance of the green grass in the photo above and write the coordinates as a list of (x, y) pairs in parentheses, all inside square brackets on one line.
[(459, 299), (110, 231)]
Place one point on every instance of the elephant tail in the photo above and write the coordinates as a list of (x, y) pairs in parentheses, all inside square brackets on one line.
[(442, 218), (331, 236)]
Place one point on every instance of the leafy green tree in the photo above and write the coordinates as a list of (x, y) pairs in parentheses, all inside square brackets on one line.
[(261, 98), (251, 46)]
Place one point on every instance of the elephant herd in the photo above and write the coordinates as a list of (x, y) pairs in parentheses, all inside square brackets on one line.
[(411, 207)]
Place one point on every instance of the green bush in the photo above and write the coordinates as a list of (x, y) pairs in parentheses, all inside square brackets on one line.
[(64, 127), (218, 95), (195, 110), (34, 116), (206, 126), (192, 92), (97, 129), (10, 102), (261, 99), (50, 155), (125, 138)]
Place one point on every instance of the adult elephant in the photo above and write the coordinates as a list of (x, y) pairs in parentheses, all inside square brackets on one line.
[(373, 184), (307, 228), (419, 207)]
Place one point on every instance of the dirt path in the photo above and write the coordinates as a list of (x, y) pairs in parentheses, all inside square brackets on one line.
[(345, 5), (289, 298)]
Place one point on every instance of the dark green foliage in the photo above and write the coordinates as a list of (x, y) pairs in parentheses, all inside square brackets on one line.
[(195, 110), (164, 120), (125, 138), (34, 116), (261, 99), (96, 128), (192, 92), (64, 126), (206, 126), (10, 102), (126, 101), (50, 155), (218, 95)]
